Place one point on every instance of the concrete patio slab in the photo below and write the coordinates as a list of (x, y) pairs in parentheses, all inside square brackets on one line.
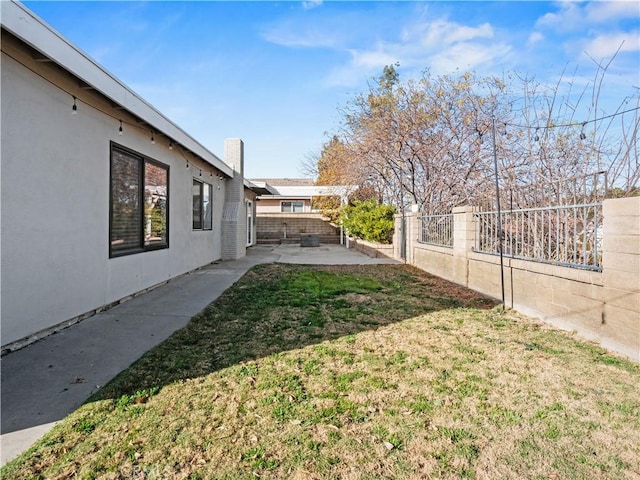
[(326, 255)]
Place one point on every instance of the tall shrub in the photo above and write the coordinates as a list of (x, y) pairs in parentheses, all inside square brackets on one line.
[(369, 220)]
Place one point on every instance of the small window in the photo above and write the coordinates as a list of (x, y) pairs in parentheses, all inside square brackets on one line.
[(155, 204), (202, 196), (139, 203), (291, 207)]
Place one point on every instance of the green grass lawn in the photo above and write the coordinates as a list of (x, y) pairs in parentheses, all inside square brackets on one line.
[(354, 372)]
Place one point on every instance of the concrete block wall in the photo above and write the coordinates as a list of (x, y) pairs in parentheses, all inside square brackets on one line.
[(621, 272), (599, 306), (277, 226), (373, 250)]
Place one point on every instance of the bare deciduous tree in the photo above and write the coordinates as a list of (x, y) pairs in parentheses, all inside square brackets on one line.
[(430, 142)]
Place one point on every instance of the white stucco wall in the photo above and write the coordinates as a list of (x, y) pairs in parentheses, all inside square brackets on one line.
[(55, 261)]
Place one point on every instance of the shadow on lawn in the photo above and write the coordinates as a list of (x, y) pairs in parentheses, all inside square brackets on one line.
[(278, 307)]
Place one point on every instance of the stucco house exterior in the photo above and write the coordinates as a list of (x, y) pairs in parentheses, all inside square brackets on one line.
[(102, 195)]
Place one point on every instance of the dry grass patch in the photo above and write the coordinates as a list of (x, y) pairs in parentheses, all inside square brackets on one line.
[(354, 373)]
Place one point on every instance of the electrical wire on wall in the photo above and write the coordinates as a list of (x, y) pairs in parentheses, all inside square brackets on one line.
[(78, 105)]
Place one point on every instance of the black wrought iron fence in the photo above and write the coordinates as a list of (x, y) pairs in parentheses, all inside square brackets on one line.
[(436, 230), (563, 235)]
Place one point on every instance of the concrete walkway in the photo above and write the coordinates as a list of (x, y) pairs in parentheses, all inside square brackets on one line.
[(47, 380)]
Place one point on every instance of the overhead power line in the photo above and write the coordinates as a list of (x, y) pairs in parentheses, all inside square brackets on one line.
[(572, 124)]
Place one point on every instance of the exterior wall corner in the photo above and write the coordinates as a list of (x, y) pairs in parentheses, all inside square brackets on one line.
[(234, 214)]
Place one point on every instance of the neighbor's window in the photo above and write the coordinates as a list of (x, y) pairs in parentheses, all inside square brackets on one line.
[(139, 203), (288, 207), (202, 194)]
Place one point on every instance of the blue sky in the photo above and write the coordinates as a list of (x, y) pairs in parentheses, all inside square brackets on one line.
[(276, 73)]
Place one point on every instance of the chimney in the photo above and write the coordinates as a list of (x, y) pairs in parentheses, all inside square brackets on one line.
[(234, 218)]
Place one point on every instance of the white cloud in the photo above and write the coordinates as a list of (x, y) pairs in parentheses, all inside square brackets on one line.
[(375, 59), (307, 32), (442, 32), (597, 28), (573, 16), (468, 56), (363, 64), (569, 16), (606, 45), (445, 46), (308, 5), (600, 12), (345, 76), (308, 38), (439, 43), (534, 38)]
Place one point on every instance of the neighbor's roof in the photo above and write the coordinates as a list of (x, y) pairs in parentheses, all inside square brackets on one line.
[(285, 182), (259, 188), (297, 188), (25, 25), (311, 191)]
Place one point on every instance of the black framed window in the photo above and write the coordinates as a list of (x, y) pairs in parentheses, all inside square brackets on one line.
[(291, 207), (139, 203), (202, 196)]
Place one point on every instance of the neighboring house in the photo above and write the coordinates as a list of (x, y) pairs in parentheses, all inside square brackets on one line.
[(286, 195), (102, 195), (286, 209)]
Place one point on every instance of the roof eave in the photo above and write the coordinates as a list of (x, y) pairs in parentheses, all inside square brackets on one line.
[(29, 28)]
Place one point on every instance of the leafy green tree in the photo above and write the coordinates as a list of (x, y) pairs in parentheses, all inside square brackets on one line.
[(369, 220), (329, 206)]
